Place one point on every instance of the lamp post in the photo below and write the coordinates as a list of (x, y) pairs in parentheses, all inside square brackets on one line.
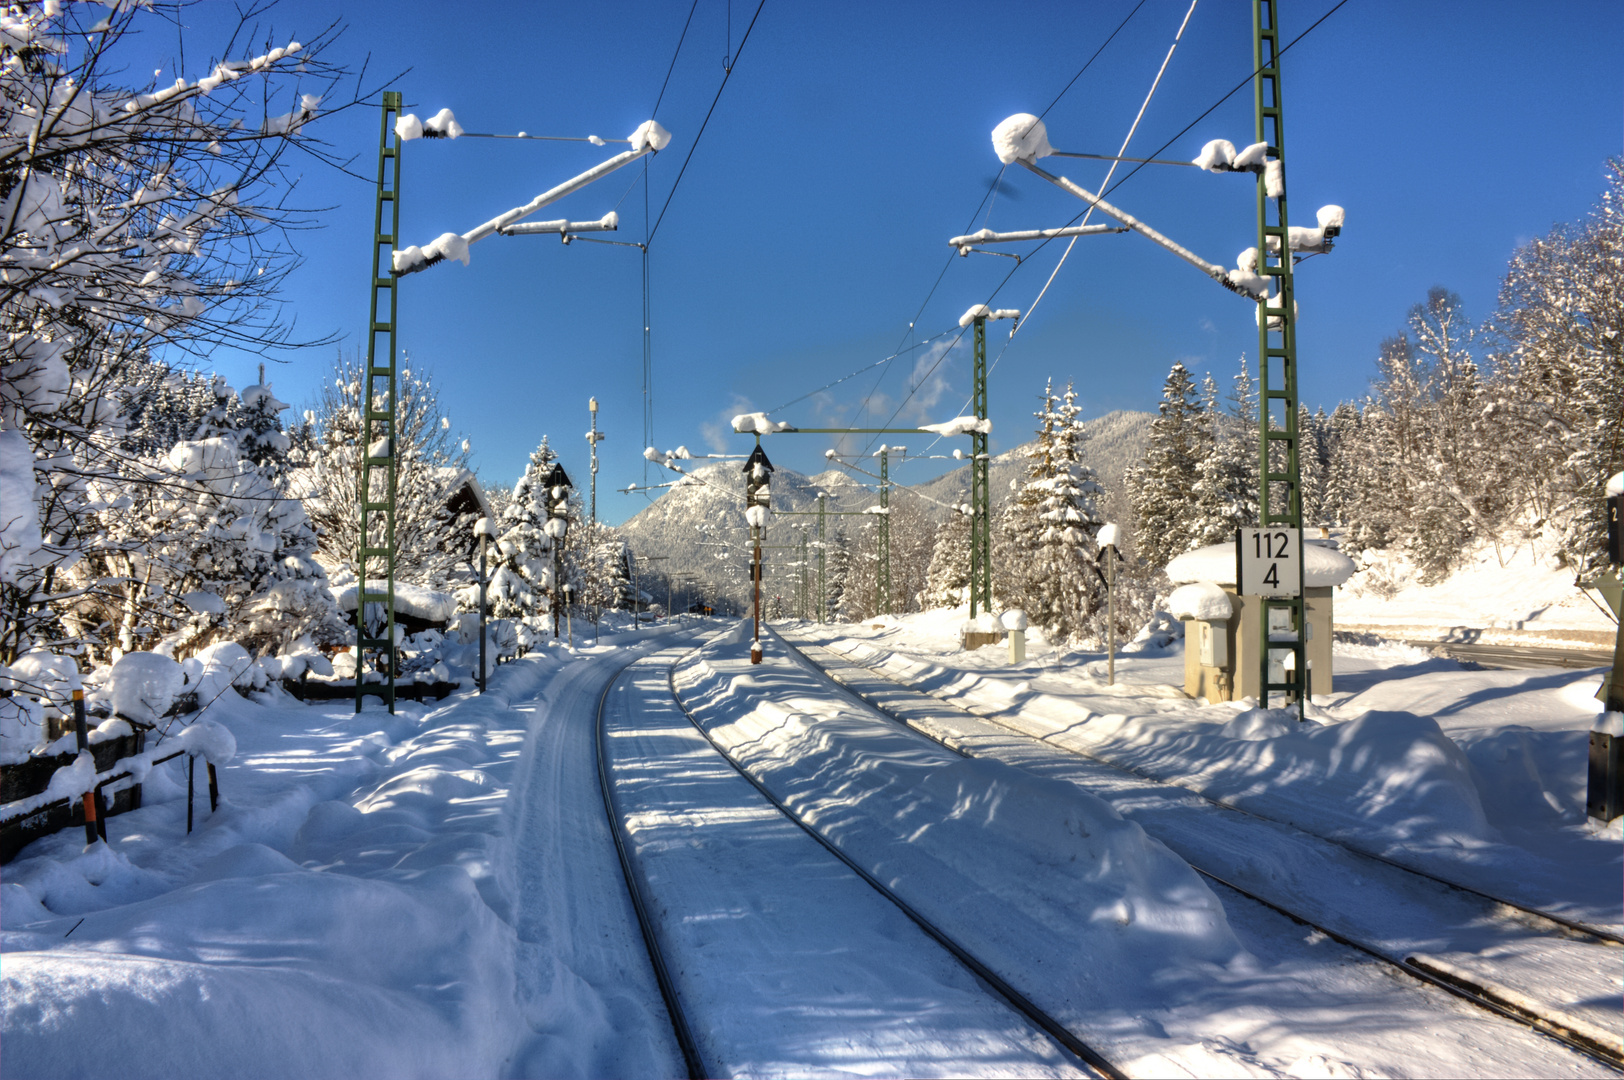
[(1108, 548), (593, 438), (758, 473), (557, 486)]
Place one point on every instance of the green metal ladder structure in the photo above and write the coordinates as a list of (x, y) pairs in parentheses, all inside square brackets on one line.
[(375, 555), (1282, 625), (882, 574), (980, 490)]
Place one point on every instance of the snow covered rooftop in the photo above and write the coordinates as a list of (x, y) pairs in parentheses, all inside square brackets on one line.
[(1323, 567)]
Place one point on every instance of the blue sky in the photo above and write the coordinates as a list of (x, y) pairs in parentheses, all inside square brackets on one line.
[(853, 139)]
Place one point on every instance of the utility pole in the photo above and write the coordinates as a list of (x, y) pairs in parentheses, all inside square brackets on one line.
[(375, 551), (757, 505), (594, 437), (1281, 626), (484, 580), (823, 552), (883, 575)]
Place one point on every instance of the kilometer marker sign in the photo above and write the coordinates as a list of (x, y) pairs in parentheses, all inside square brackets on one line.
[(1267, 561)]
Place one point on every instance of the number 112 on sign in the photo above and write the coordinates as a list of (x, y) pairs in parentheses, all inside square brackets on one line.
[(1267, 561)]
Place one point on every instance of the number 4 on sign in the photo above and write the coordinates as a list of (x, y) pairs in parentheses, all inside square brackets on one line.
[(1267, 561)]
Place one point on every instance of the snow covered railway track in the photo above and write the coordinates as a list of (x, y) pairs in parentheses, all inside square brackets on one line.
[(1557, 923), (1563, 949), (774, 958)]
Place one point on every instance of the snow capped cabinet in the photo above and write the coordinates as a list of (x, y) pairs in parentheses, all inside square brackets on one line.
[(1221, 632)]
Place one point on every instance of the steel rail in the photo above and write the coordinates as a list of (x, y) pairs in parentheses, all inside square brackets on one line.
[(634, 887), (1571, 1032), (1019, 1001)]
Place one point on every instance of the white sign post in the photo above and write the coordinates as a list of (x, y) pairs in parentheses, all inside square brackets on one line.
[(1267, 562)]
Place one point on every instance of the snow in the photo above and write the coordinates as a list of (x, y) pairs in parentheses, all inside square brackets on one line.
[(1013, 619), (142, 686), (204, 603), (71, 780), (408, 127), (758, 423), (413, 600), (1252, 157), (1498, 595), (1216, 156), (649, 136), (1200, 600), (1274, 178), (1245, 275), (1323, 567), (1478, 775), (959, 425), (1108, 536), (436, 892), (1022, 137), (1330, 216), (982, 311), (1609, 723), (755, 516), (208, 740), (442, 124), (359, 885), (19, 515)]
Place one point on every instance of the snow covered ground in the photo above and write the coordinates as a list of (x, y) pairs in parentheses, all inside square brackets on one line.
[(378, 895), (1499, 596), (1476, 774), (437, 893)]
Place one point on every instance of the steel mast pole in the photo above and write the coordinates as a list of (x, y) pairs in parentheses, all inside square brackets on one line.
[(823, 551), (980, 495), (883, 577), (1281, 625), (376, 492)]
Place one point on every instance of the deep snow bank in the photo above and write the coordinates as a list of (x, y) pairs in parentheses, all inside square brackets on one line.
[(991, 851), (1389, 779), (343, 914)]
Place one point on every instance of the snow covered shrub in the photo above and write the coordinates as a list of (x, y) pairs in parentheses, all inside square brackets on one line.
[(430, 542), (136, 223)]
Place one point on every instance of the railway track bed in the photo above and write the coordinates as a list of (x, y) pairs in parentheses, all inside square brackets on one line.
[(979, 850), (1559, 977)]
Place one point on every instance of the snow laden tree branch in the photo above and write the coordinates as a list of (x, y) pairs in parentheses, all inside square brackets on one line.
[(138, 226)]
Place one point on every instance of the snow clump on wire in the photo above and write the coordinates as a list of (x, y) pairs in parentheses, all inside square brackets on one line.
[(1022, 137)]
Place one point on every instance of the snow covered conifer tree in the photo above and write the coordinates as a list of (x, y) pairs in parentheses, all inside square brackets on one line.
[(837, 570), (522, 557), (1226, 486), (947, 582), (1161, 487), (1046, 532)]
